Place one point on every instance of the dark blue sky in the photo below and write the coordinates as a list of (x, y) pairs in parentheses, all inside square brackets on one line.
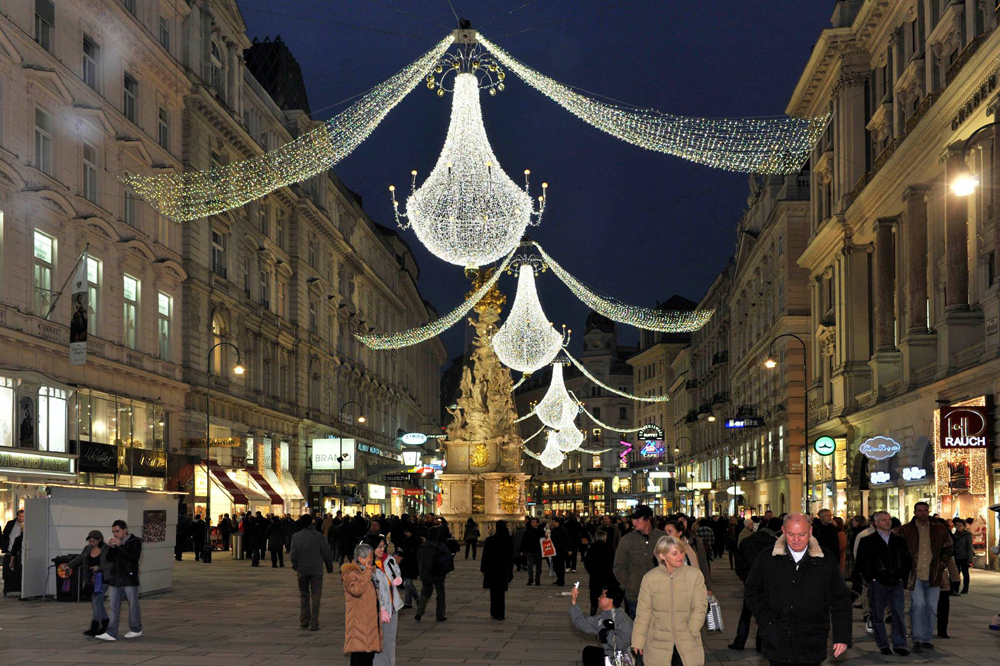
[(631, 223)]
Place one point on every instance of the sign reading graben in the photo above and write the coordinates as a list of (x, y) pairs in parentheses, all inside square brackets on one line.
[(964, 427)]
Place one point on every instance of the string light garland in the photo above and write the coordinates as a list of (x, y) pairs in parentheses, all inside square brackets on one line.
[(427, 331), (526, 342), (531, 437), (556, 409), (195, 194), (624, 394), (664, 321), (519, 382), (608, 427), (468, 212), (748, 145)]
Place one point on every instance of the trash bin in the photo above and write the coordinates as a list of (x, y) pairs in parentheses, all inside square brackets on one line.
[(69, 583), (236, 543)]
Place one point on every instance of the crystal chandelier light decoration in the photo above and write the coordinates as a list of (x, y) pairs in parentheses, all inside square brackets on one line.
[(468, 212), (526, 342), (570, 438), (556, 409), (550, 457)]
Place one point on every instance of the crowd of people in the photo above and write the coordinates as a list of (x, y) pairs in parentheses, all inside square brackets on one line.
[(649, 578)]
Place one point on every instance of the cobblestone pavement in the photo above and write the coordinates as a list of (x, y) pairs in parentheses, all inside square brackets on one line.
[(228, 613)]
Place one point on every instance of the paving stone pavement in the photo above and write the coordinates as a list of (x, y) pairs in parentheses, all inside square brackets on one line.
[(228, 613)]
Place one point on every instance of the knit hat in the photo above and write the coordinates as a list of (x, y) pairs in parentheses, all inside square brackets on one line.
[(95, 534)]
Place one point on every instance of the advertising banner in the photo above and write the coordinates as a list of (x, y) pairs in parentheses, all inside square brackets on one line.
[(326, 452)]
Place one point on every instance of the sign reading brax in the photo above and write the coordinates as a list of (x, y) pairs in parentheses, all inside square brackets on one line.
[(965, 427)]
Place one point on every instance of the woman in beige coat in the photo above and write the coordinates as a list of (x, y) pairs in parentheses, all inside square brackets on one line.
[(362, 621), (672, 606)]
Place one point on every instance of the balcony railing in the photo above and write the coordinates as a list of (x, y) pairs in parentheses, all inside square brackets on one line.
[(720, 398), (219, 270), (720, 357), (264, 303), (952, 72), (691, 385)]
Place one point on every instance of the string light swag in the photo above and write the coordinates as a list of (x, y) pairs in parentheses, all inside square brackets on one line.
[(434, 328), (748, 145), (624, 394), (556, 409), (527, 342), (608, 427), (196, 194), (531, 437), (519, 382), (664, 321), (468, 212)]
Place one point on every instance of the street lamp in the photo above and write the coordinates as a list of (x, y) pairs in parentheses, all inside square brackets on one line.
[(770, 364), (340, 443), (966, 182), (237, 370)]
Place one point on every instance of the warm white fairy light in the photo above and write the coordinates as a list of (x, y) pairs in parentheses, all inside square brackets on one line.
[(196, 194), (526, 342), (556, 409), (468, 211), (436, 327), (609, 427), (551, 456), (519, 382), (624, 394), (532, 436), (750, 145), (664, 321), (569, 438)]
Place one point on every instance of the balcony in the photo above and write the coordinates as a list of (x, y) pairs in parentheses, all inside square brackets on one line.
[(705, 408), (720, 357), (691, 385), (956, 67), (264, 303), (921, 110), (720, 398), (220, 270), (692, 417)]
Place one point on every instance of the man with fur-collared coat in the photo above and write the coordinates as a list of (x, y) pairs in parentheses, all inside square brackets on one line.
[(794, 592)]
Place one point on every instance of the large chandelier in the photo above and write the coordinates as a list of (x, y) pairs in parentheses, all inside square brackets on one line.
[(468, 211), (556, 410), (526, 342)]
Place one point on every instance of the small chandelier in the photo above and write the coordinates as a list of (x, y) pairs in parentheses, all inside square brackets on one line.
[(468, 212), (557, 409), (526, 342), (551, 456), (570, 438)]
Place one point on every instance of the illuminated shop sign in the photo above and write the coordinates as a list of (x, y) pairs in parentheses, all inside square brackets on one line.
[(745, 422), (653, 448), (879, 448), (913, 473), (414, 438), (964, 427), (880, 477), (29, 462), (825, 446)]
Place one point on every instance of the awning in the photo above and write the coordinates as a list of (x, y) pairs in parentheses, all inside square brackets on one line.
[(250, 493), (276, 499), (291, 488), (285, 486), (228, 484)]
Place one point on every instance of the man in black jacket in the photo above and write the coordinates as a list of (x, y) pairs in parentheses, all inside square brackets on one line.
[(124, 551), (199, 530), (794, 592), (825, 532), (760, 541), (310, 554), (532, 545), (434, 561), (884, 562), (561, 542)]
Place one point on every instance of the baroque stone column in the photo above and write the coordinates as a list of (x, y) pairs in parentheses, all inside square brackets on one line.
[(956, 237), (884, 283)]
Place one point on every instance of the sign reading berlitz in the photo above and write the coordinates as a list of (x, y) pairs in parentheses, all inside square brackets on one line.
[(965, 427)]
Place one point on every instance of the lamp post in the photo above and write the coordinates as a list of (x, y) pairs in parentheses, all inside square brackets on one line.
[(673, 458), (966, 182), (237, 370), (770, 364), (340, 443)]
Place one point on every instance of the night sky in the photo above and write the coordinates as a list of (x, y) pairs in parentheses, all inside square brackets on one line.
[(631, 223)]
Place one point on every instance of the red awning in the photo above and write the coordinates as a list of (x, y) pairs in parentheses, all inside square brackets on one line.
[(266, 487), (227, 483)]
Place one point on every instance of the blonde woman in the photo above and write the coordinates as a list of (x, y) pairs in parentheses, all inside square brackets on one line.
[(673, 602)]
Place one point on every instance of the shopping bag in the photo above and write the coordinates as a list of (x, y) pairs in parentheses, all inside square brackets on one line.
[(98, 582), (548, 548), (713, 621)]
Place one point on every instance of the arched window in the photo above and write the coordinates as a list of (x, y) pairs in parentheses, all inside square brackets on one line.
[(218, 336)]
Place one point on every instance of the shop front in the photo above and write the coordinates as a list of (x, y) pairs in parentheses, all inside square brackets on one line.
[(233, 491)]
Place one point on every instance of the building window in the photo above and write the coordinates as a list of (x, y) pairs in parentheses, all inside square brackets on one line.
[(43, 141), (285, 462), (129, 5), (217, 77), (93, 294), (44, 251), (52, 416), (595, 462), (282, 298), (91, 53), (89, 173), (130, 321), (312, 316), (279, 230), (265, 220), (218, 351), (219, 254), (265, 289), (130, 100), (164, 310), (163, 128), (623, 413), (45, 24), (165, 33), (596, 411), (312, 251), (246, 276), (128, 209)]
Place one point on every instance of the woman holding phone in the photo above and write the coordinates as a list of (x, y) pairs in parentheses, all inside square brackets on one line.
[(95, 556)]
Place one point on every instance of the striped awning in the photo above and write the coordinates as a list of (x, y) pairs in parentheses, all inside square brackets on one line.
[(276, 499), (228, 484)]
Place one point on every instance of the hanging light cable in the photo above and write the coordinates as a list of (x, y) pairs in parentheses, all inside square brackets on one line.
[(624, 394)]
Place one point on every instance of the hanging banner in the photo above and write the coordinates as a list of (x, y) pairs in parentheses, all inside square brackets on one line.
[(78, 322)]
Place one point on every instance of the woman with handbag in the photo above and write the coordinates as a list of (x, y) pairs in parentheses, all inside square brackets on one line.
[(95, 556), (389, 600), (673, 604)]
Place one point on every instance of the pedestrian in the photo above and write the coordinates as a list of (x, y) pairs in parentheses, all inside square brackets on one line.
[(573, 528), (562, 543), (695, 551), (181, 535), (124, 551), (362, 619), (532, 545), (225, 529), (962, 552), (276, 542), (12, 547), (599, 562), (518, 539), (199, 530), (634, 556), (309, 555), (613, 627), (949, 588), (732, 531), (435, 562), (884, 563), (794, 592), (841, 541), (408, 565), (759, 542), (825, 532), (703, 529), (748, 529), (931, 550), (673, 603), (389, 601), (471, 537), (96, 572), (253, 539), (497, 568)]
